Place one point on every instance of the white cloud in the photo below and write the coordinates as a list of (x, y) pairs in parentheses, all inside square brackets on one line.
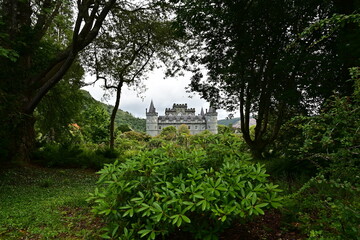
[(163, 92)]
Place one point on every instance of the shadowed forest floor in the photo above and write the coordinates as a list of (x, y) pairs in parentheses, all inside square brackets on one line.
[(43, 203)]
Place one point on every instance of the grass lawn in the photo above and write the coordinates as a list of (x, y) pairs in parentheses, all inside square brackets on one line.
[(41, 203)]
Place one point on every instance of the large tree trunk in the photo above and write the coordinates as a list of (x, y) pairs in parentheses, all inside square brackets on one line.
[(17, 136), (113, 115), (23, 140)]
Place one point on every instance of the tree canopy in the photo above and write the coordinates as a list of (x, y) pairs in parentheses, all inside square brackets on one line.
[(127, 49), (39, 42), (253, 64)]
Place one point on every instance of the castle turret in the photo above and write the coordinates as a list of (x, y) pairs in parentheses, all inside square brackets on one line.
[(211, 120), (152, 121)]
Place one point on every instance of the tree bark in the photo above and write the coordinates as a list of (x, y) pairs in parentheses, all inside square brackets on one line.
[(113, 115), (17, 138)]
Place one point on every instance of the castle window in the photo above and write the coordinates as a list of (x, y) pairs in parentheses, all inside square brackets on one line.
[(159, 127), (189, 127)]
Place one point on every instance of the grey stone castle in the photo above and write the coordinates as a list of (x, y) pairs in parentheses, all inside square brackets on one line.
[(180, 114)]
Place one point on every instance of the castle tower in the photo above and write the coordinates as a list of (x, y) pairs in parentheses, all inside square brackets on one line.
[(152, 121), (211, 120)]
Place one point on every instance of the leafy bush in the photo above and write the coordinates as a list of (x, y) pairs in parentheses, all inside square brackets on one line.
[(124, 128), (74, 156), (330, 143), (327, 209), (155, 142), (222, 129), (160, 191), (138, 136), (183, 129), (168, 133)]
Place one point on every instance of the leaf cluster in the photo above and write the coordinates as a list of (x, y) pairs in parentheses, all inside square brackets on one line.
[(157, 192)]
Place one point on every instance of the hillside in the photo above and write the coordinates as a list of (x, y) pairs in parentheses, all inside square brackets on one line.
[(235, 122), (126, 118), (122, 117), (227, 122)]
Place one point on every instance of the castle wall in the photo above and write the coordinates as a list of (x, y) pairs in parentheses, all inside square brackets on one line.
[(211, 121), (152, 127), (179, 115), (194, 128)]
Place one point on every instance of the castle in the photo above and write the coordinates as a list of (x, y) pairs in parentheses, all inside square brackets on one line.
[(180, 114)]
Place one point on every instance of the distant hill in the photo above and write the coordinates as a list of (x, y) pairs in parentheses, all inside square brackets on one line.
[(122, 117), (235, 122), (126, 118), (227, 122)]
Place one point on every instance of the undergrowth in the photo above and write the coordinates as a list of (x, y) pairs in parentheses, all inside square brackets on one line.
[(39, 203)]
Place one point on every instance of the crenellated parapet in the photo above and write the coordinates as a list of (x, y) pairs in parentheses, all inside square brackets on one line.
[(179, 105)]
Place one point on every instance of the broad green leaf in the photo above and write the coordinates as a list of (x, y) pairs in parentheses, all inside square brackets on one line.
[(186, 219), (144, 232)]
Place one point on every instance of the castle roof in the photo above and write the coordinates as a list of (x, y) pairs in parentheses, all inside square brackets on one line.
[(152, 108), (212, 111)]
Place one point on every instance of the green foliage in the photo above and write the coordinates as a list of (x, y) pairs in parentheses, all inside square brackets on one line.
[(251, 67), (9, 53), (183, 129), (40, 203), (124, 128), (329, 139), (327, 207), (168, 133), (156, 142), (222, 129), (126, 118), (159, 191), (74, 156), (79, 119), (330, 26), (138, 136), (122, 117), (94, 123)]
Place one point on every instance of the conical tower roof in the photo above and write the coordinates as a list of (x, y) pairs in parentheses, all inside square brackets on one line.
[(212, 111), (151, 108)]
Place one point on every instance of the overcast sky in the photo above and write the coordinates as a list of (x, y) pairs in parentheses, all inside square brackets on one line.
[(163, 92)]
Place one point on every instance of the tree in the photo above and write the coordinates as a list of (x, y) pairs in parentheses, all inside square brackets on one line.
[(183, 129), (168, 133), (94, 123), (123, 54), (245, 46), (32, 63), (53, 119)]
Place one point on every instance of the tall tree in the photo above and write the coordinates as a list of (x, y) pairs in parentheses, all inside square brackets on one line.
[(53, 119), (122, 55), (32, 63), (245, 45)]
